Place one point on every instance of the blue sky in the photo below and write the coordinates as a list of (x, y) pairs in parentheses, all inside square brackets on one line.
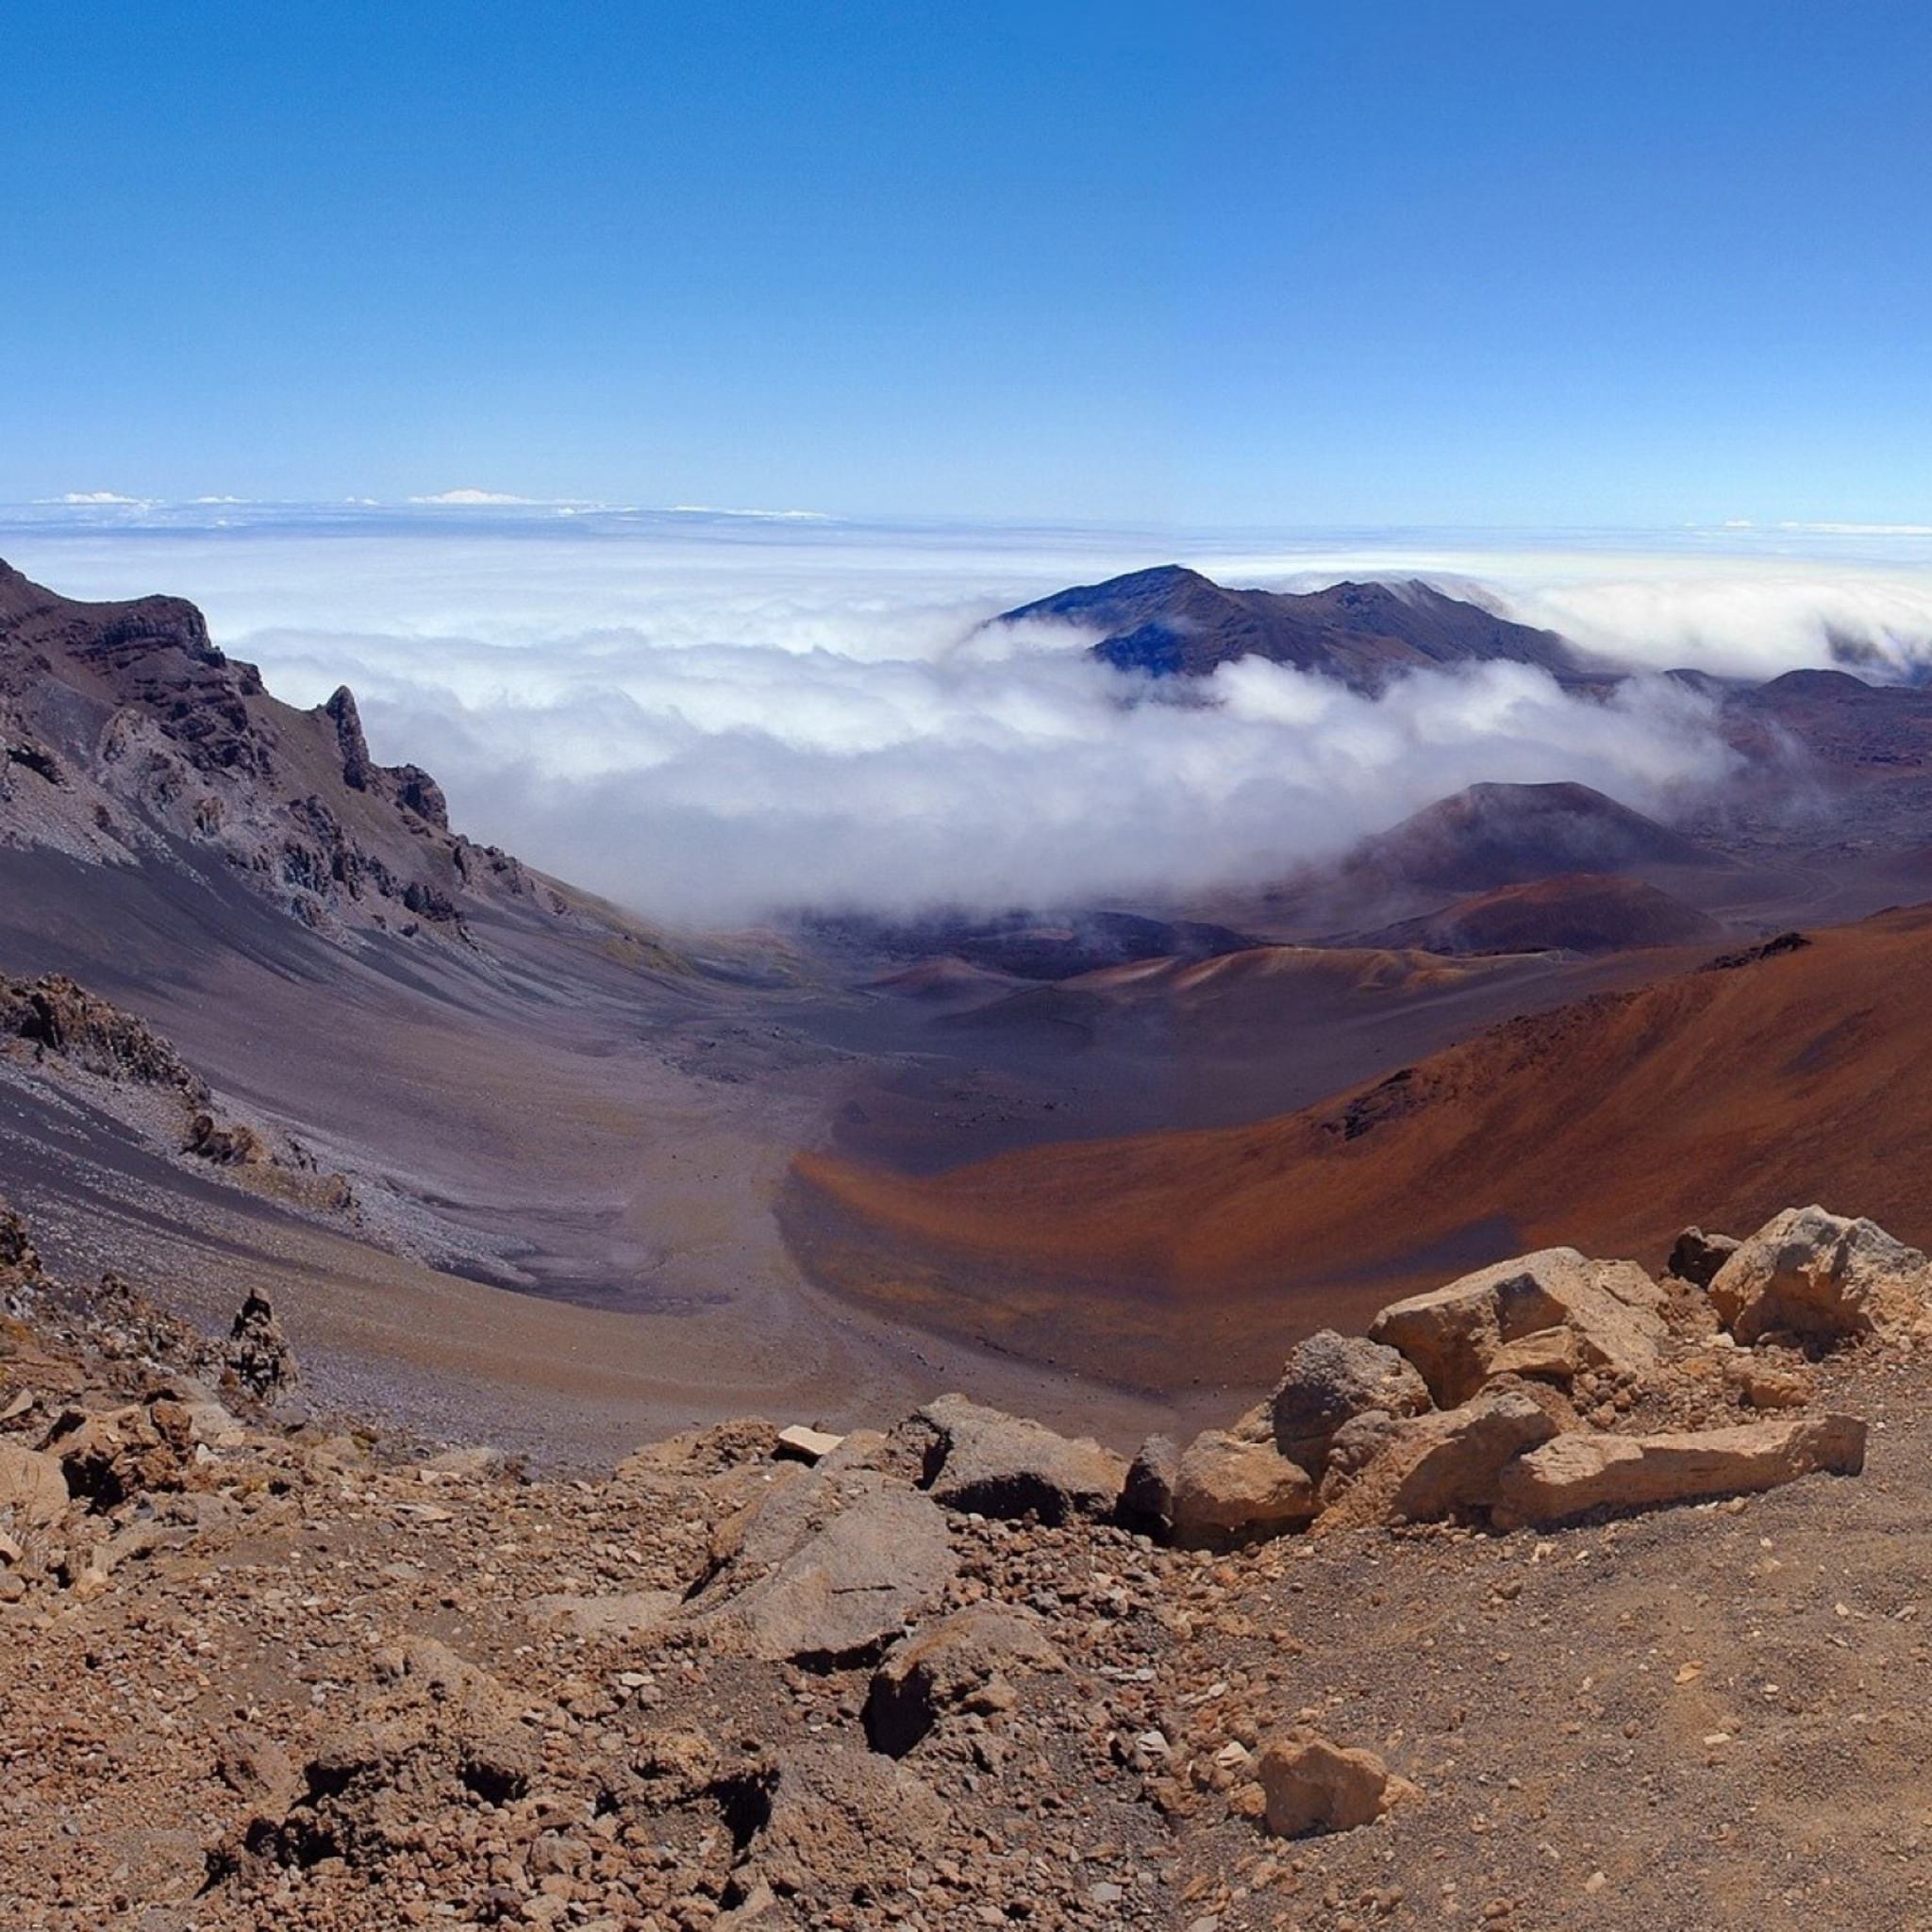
[(1370, 263)]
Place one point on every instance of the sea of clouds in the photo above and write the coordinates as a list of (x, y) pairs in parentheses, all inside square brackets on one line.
[(714, 716)]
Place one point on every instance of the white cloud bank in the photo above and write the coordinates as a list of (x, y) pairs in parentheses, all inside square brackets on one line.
[(712, 724)]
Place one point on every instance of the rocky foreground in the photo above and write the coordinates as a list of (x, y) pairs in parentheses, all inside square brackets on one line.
[(1412, 1643)]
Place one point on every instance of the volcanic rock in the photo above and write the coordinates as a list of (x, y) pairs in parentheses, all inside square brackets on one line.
[(1696, 1257), (1445, 1463), (1148, 1495), (33, 1491), (999, 1465), (1313, 1784), (1575, 1474), (1331, 1379), (1452, 1335), (1229, 1492), (1822, 1276), (826, 1564), (259, 1355)]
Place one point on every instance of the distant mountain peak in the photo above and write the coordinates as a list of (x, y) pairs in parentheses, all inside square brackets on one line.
[(1172, 621)]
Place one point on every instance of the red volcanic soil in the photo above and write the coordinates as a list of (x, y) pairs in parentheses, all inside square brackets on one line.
[(1714, 1096), (1580, 913)]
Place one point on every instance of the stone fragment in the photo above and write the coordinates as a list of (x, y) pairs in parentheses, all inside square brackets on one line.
[(1574, 1474), (1822, 1276), (1452, 1334), (805, 1444), (1553, 1354), (980, 1459), (1445, 1463), (1228, 1492), (1696, 1257), (1147, 1496), (33, 1490), (948, 1666), (1329, 1379), (1767, 1385), (1313, 1784)]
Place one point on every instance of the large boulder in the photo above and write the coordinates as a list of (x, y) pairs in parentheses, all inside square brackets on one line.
[(828, 1565), (1821, 1277), (1453, 1334), (1445, 1463), (959, 1663), (981, 1459), (1229, 1492), (1576, 1474), (1313, 1784), (1329, 1379)]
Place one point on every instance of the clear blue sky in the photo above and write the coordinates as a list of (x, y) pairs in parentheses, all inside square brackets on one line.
[(1467, 262)]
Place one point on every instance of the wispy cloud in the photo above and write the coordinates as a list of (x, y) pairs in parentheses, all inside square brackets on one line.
[(475, 499)]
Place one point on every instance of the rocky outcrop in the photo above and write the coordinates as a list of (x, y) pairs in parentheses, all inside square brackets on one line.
[(259, 1355), (1576, 1474), (1313, 1784), (1821, 1278), (127, 737), (1453, 1334), (1328, 1380), (57, 1017), (979, 1460)]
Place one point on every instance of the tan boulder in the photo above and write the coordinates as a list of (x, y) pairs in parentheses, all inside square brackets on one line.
[(1313, 1784), (1444, 1463), (1822, 1276), (1227, 1491), (1452, 1335), (1574, 1474), (33, 1490)]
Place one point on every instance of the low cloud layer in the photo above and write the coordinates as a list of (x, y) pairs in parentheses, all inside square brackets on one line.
[(714, 726)]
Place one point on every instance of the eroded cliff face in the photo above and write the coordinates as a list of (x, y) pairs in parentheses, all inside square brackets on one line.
[(127, 737)]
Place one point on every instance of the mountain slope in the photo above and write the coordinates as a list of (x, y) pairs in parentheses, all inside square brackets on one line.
[(1488, 836), (1607, 1125), (1573, 913), (1172, 621), (129, 738)]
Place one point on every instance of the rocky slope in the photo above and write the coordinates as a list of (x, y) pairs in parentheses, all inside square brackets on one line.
[(259, 1668), (126, 737)]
